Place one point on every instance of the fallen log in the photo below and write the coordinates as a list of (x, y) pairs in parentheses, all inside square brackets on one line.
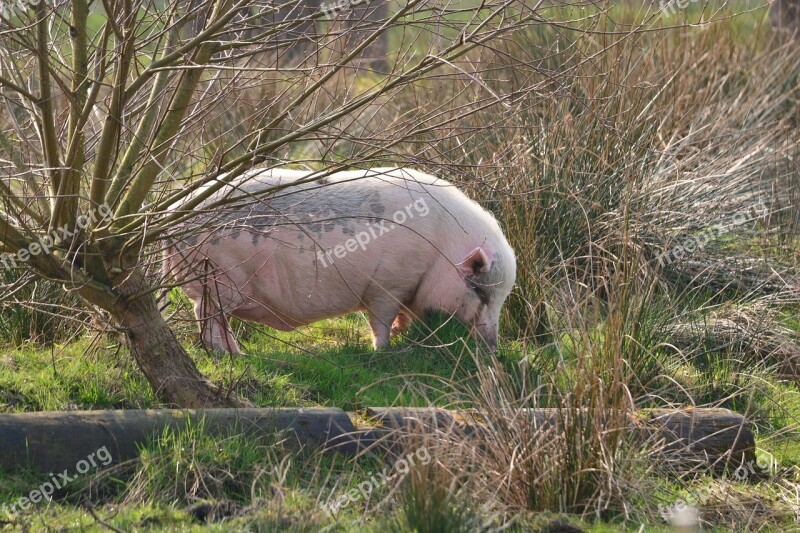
[(718, 437), (55, 441), (715, 437)]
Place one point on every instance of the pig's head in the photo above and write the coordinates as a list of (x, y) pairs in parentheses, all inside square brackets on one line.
[(488, 274)]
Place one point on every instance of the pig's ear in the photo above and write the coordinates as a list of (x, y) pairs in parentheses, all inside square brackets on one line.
[(476, 261)]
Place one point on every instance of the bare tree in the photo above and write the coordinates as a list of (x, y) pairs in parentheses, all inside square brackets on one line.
[(113, 111)]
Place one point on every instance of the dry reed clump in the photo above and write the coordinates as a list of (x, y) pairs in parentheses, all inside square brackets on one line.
[(670, 137), (664, 183), (750, 336), (583, 460)]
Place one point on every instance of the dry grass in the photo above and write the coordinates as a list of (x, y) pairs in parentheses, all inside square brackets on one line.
[(655, 140)]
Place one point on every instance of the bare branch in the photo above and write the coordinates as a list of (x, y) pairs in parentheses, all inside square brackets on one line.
[(47, 122)]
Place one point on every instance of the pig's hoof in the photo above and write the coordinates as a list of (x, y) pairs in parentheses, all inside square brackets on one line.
[(401, 323), (219, 350)]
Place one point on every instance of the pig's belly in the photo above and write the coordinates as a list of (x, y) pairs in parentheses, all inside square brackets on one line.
[(279, 285), (274, 318), (278, 316), (272, 304)]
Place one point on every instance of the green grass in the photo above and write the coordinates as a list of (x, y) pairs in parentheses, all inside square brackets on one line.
[(331, 363), (79, 375)]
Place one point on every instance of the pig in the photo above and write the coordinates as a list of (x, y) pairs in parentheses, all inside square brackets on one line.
[(286, 248)]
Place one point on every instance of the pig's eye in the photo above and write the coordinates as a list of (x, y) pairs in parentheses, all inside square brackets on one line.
[(481, 293), (478, 289)]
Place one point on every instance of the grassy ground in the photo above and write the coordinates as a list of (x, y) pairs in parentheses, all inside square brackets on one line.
[(257, 485), (328, 364)]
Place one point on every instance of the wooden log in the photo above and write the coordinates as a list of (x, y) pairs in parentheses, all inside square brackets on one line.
[(716, 437), (54, 441)]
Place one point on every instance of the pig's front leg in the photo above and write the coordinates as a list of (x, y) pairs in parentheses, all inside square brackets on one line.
[(381, 317)]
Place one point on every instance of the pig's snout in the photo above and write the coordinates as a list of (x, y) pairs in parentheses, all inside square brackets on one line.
[(491, 343), (488, 334)]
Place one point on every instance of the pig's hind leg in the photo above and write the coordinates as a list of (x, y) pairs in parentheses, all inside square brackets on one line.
[(215, 299), (381, 318), (215, 331)]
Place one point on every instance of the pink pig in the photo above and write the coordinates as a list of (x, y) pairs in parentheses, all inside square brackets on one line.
[(295, 247)]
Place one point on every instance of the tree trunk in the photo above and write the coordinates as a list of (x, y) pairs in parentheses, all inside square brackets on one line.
[(786, 14), (369, 14), (165, 363)]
